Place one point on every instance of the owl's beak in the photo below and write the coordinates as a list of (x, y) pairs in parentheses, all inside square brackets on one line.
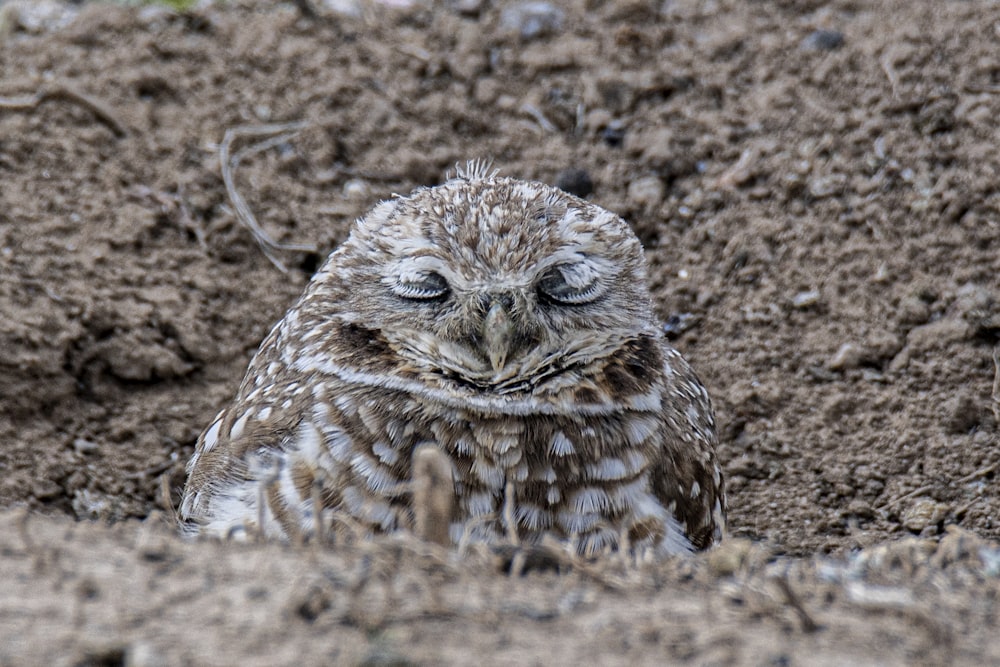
[(497, 332)]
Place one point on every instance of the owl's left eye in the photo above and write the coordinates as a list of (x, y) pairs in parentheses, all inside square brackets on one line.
[(423, 286), (570, 284)]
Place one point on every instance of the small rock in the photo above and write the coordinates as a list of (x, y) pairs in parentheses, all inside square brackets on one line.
[(614, 134), (837, 406), (143, 654), (914, 310), (89, 505), (531, 20), (658, 147), (971, 298), (822, 40), (313, 603), (804, 300), (847, 357), (262, 112), (39, 16), (646, 192), (45, 489), (384, 656), (860, 508), (82, 446), (471, 8), (575, 181), (828, 185), (348, 8), (937, 335), (746, 466), (924, 513), (962, 413), (356, 189), (729, 556), (112, 654), (678, 323)]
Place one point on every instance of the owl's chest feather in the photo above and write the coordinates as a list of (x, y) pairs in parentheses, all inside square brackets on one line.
[(567, 474)]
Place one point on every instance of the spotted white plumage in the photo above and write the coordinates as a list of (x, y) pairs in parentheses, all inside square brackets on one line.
[(502, 323)]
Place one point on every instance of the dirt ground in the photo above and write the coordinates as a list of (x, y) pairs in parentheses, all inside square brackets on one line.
[(816, 187)]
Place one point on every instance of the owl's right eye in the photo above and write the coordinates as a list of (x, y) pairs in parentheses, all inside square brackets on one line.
[(423, 286), (570, 285)]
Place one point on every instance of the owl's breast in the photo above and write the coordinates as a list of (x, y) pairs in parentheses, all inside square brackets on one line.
[(565, 474)]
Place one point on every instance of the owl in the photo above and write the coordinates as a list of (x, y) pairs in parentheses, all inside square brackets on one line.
[(505, 324)]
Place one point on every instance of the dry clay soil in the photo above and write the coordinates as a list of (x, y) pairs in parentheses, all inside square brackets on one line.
[(822, 225)]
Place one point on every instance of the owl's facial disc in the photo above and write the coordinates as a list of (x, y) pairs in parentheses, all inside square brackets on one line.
[(496, 283), (494, 327)]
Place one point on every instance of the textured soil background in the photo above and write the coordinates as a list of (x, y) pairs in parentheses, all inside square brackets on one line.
[(816, 187)]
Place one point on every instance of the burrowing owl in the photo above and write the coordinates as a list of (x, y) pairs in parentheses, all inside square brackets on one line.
[(507, 324)]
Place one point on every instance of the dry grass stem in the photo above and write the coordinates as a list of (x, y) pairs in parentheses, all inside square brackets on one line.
[(277, 134), (101, 111)]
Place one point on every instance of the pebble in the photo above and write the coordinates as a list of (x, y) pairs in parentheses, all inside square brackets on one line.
[(678, 323), (914, 310), (806, 299), (36, 16), (963, 413), (83, 446), (143, 654), (614, 134), (822, 40), (646, 192), (356, 189), (860, 508), (470, 8), (847, 357), (729, 556), (923, 513), (45, 489), (531, 20)]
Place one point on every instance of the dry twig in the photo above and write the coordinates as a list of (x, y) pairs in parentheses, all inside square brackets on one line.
[(433, 494), (539, 117), (888, 66), (166, 500), (229, 162), (996, 385), (101, 111), (808, 623), (927, 488)]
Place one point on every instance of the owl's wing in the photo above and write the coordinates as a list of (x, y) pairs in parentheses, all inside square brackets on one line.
[(238, 451), (688, 478)]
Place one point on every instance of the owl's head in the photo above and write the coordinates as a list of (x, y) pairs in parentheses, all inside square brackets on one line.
[(490, 282)]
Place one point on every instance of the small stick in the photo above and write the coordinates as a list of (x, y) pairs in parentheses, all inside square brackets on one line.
[(262, 500), (166, 500), (229, 162), (101, 111), (157, 469), (539, 117), (508, 514), (433, 494), (22, 529), (808, 624), (996, 385), (37, 284), (895, 501), (982, 472), (890, 71), (317, 508)]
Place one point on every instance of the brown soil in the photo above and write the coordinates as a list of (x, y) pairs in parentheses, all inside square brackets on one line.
[(822, 224)]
